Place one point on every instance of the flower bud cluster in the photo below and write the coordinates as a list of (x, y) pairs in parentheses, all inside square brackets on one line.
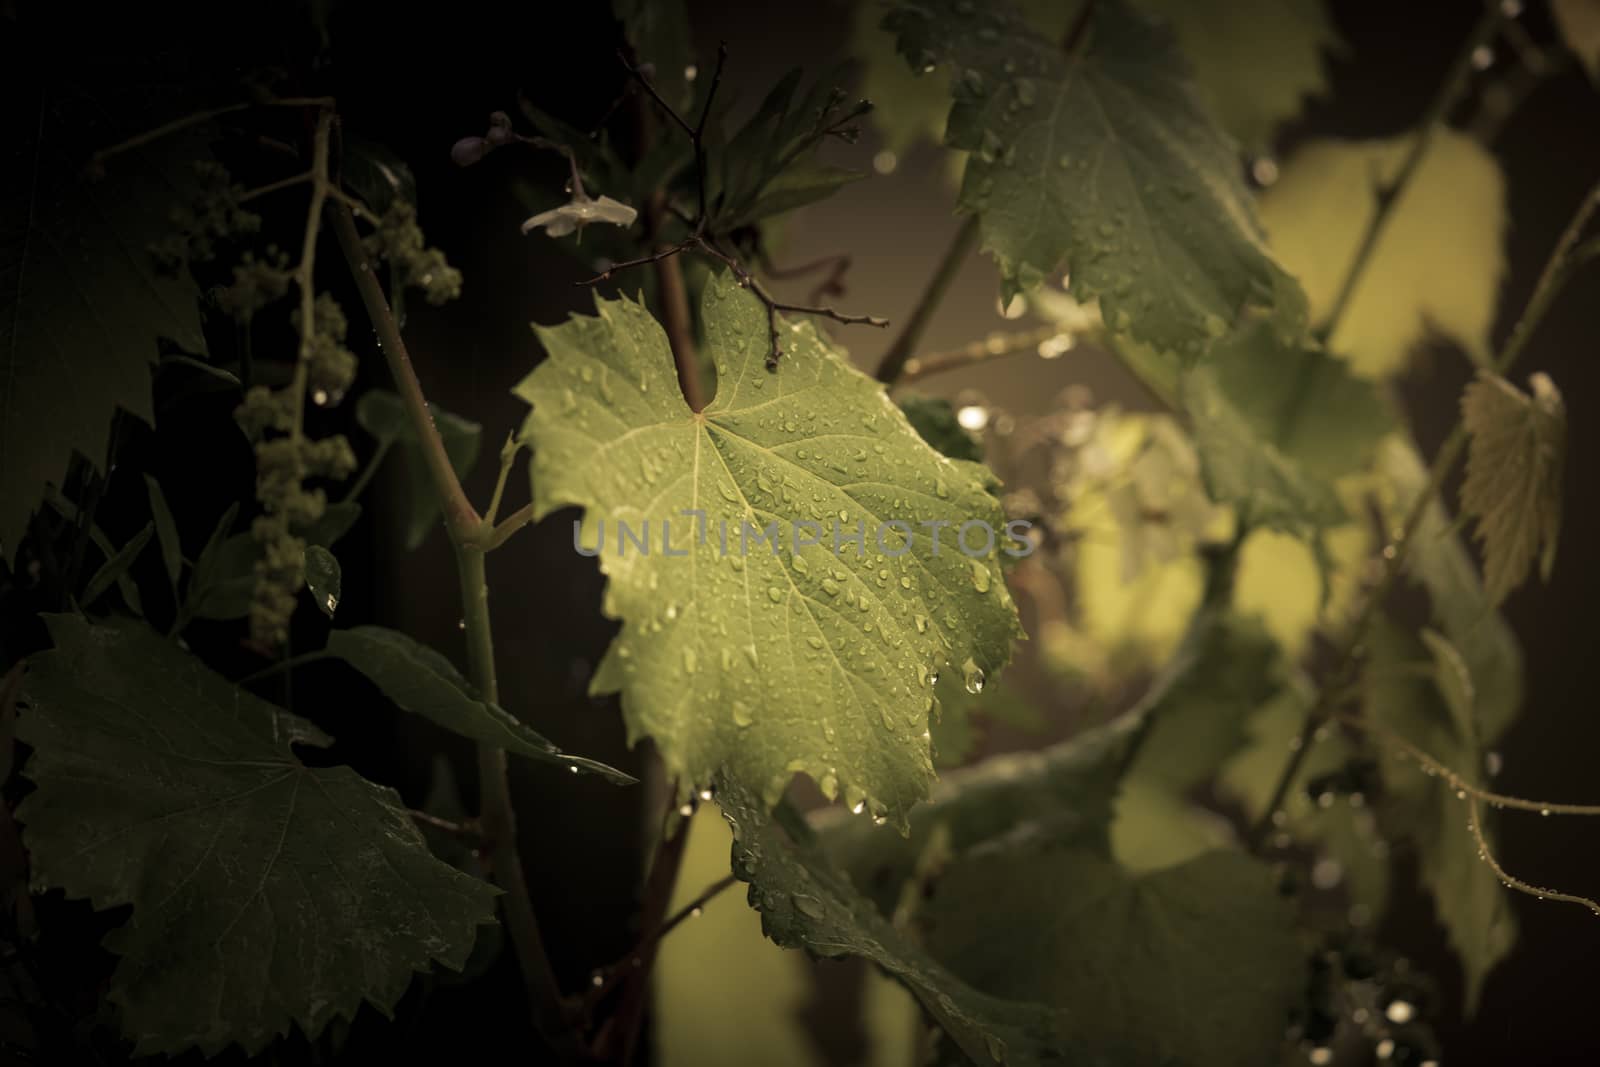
[(398, 239), (215, 213)]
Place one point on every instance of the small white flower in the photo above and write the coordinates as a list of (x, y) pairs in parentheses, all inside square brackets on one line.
[(560, 221)]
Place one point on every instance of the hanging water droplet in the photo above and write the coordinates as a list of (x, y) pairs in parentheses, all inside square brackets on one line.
[(973, 676)]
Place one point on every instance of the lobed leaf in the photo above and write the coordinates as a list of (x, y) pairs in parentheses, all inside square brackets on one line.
[(762, 659), (265, 893), (1105, 163)]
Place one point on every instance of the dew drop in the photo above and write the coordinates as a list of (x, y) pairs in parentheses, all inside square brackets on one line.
[(973, 676)]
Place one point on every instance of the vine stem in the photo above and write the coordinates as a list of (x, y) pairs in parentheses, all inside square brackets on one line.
[(894, 360), (996, 346), (469, 535), (1558, 269), (1387, 193), (623, 1036)]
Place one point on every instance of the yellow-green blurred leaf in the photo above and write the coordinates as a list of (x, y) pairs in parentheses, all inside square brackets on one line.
[(1438, 262)]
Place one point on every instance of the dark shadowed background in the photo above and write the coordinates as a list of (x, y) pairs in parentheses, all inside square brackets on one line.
[(415, 79)]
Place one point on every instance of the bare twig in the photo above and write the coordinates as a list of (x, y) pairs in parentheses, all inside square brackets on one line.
[(894, 360), (139, 140), (996, 346), (467, 831)]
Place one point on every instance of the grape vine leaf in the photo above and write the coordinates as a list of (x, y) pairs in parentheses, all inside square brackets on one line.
[(1437, 265), (265, 893), (908, 105), (806, 902), (1579, 23), (735, 655), (83, 305), (420, 680), (381, 413), (1276, 424), (1461, 608), (1105, 162), (935, 422), (1515, 448), (1438, 717), (1198, 964)]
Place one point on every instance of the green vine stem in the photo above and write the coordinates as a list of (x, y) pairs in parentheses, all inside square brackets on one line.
[(996, 346), (894, 360), (469, 535), (1557, 271)]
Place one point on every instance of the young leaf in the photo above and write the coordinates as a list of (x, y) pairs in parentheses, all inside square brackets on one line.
[(323, 578), (1437, 265), (1468, 897), (746, 659), (224, 578), (1579, 23), (420, 680), (115, 568), (1105, 162), (125, 585), (265, 893), (1198, 964), (768, 166), (1513, 483), (381, 414), (166, 531), (78, 329), (1462, 610)]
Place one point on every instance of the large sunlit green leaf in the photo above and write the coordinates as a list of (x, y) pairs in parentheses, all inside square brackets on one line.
[(1437, 265), (81, 303), (1104, 162), (265, 893), (765, 660)]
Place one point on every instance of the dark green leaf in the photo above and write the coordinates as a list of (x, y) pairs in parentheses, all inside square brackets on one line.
[(382, 414), (1104, 162), (376, 175), (806, 903), (166, 531), (224, 578), (125, 584), (419, 680), (83, 306), (935, 422), (1198, 964), (115, 568), (266, 894), (323, 578), (769, 165)]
